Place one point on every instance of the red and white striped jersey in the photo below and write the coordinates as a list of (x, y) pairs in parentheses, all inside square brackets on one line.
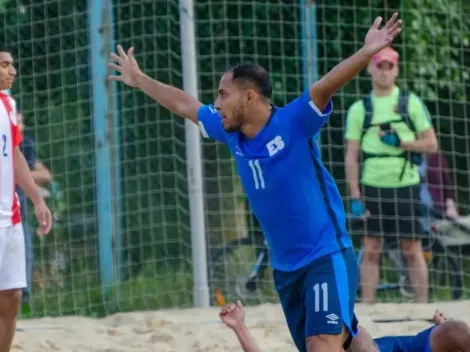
[(10, 138)]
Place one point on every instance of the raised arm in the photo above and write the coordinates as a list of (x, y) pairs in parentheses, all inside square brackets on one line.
[(376, 39), (172, 98)]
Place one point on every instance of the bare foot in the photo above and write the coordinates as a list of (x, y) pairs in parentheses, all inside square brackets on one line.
[(439, 317)]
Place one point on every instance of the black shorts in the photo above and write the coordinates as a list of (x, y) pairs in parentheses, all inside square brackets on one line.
[(393, 211)]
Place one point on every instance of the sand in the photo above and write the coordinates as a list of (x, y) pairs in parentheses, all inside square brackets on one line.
[(200, 330)]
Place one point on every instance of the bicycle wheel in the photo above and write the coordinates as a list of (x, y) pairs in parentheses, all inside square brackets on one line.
[(446, 274), (234, 271)]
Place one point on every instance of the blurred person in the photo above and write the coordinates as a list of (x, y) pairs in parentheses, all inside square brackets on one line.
[(42, 177), (437, 190), (444, 336), (391, 129), (14, 171), (291, 193)]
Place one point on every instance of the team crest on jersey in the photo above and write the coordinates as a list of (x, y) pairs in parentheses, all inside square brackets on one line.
[(13, 118), (275, 145)]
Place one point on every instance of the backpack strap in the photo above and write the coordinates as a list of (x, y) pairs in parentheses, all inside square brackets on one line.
[(403, 99), (412, 157), (367, 101)]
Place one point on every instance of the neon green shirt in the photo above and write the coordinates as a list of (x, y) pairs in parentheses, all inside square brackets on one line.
[(385, 172)]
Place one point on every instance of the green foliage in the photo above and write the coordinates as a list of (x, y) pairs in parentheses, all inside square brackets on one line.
[(436, 35), (3, 4)]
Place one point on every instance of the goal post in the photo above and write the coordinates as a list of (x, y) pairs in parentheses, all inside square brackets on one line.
[(194, 159)]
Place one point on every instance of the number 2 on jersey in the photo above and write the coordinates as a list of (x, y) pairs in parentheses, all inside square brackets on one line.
[(4, 145), (257, 173)]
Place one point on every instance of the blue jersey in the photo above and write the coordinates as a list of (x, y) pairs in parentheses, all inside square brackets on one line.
[(289, 190), (414, 343)]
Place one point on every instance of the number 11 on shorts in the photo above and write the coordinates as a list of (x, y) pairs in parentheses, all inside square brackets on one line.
[(323, 300)]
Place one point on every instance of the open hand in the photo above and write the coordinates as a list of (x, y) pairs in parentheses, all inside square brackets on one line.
[(126, 65), (378, 39), (44, 216)]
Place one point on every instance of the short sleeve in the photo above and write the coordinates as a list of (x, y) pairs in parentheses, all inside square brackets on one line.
[(305, 116), (355, 121), (419, 114), (16, 134), (210, 123)]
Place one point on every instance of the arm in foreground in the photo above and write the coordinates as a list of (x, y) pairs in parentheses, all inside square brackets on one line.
[(426, 143), (376, 39), (233, 315), (24, 179), (172, 98)]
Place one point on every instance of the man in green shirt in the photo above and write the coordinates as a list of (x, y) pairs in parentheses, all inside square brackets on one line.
[(391, 129)]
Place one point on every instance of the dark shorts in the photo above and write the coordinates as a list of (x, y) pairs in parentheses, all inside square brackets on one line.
[(393, 211), (418, 343), (319, 298)]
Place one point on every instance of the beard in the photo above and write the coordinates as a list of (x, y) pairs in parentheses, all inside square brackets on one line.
[(234, 124), (233, 127)]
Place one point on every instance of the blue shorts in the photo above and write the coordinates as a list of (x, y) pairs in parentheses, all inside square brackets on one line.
[(418, 343), (319, 298)]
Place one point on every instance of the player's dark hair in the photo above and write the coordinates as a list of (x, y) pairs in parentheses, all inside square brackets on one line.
[(255, 74)]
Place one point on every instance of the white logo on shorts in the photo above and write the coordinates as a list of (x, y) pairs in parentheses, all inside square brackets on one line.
[(332, 318)]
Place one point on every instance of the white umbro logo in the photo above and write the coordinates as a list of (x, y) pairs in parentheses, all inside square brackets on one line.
[(332, 318), (238, 150), (212, 109)]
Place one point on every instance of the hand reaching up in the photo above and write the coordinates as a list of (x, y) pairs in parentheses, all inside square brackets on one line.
[(378, 39), (126, 65)]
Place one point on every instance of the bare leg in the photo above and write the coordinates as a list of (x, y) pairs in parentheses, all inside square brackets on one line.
[(362, 342), (10, 301), (370, 268), (327, 343), (413, 251)]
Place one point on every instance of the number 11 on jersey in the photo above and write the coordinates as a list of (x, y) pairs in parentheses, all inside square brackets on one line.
[(257, 173)]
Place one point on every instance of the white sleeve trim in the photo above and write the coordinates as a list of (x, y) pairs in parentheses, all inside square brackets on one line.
[(203, 129), (315, 108)]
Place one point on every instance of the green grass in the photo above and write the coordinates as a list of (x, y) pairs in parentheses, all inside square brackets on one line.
[(82, 295)]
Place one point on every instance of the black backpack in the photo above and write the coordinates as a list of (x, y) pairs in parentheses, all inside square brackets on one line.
[(402, 110)]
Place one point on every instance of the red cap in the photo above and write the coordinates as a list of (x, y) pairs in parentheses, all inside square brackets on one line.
[(387, 54)]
